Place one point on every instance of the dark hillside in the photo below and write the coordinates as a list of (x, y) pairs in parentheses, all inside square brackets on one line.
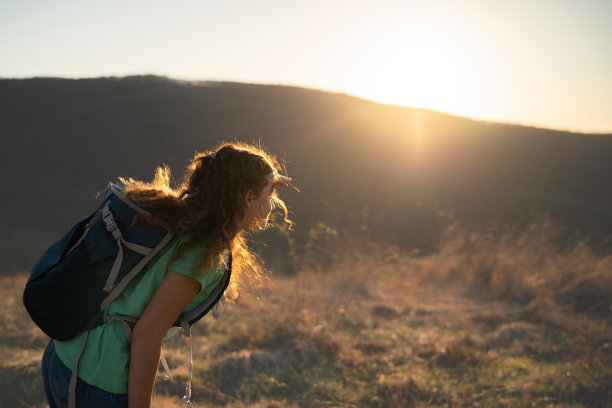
[(391, 168)]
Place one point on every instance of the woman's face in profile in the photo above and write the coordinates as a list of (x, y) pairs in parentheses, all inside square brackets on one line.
[(258, 208)]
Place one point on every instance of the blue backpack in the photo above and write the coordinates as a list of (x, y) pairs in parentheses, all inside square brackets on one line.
[(82, 273)]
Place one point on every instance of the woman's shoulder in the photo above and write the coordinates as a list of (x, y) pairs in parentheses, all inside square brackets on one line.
[(184, 246), (185, 259)]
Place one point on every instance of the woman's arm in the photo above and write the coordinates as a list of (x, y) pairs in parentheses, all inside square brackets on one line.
[(174, 293)]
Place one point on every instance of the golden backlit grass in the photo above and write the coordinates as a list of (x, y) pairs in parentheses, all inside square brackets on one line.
[(541, 263), (492, 319)]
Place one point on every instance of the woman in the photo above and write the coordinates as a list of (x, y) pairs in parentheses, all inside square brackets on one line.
[(225, 192)]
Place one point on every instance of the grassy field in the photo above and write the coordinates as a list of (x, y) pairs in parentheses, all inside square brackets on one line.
[(491, 320)]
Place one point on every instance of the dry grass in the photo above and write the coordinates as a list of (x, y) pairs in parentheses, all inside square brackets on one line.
[(21, 348), (536, 263), (485, 322)]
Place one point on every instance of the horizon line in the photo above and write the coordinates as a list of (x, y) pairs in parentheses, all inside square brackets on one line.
[(327, 90)]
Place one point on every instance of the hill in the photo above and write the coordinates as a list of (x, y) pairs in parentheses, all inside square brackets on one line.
[(390, 173)]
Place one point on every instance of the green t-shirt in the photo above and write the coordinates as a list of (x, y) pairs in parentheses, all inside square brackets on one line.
[(106, 357)]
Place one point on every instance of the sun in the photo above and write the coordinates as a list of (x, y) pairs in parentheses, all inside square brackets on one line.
[(417, 66)]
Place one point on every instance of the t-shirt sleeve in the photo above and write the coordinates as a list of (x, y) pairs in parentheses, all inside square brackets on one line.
[(184, 265)]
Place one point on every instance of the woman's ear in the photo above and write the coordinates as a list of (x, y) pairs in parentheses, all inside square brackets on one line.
[(248, 198)]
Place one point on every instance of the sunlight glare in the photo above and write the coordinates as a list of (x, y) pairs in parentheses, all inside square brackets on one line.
[(418, 66)]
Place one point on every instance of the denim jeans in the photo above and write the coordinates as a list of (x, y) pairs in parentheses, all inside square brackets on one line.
[(56, 378)]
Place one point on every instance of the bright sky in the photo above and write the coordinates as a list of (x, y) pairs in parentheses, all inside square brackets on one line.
[(544, 62)]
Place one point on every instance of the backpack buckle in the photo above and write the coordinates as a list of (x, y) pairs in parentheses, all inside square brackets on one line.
[(109, 222)]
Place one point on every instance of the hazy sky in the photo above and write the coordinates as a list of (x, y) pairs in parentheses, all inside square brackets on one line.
[(541, 62)]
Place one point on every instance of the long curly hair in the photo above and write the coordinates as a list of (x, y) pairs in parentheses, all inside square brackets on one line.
[(209, 205)]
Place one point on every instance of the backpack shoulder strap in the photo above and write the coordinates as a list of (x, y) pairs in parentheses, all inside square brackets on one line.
[(215, 296), (116, 291), (148, 252)]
